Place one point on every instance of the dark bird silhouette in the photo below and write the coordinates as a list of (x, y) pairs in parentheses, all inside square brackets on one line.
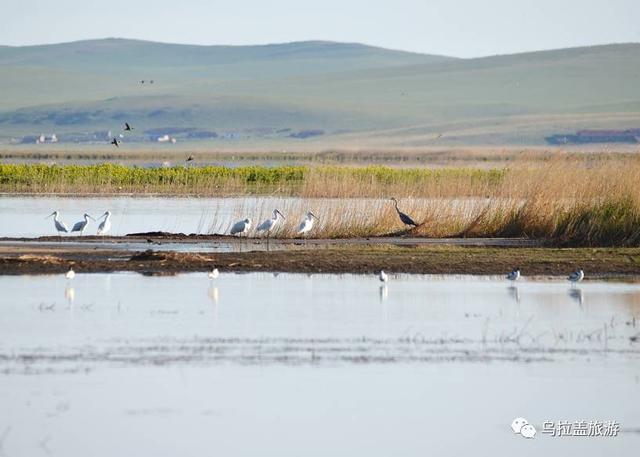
[(190, 158), (403, 217), (115, 142), (127, 127), (151, 82), (142, 81)]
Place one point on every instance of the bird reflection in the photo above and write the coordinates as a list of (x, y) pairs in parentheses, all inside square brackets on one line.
[(384, 293), (577, 295), (212, 292), (514, 293), (69, 294)]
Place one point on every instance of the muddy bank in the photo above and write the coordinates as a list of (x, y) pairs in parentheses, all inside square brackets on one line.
[(434, 259)]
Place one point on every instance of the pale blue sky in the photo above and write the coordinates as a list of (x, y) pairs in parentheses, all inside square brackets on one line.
[(463, 28)]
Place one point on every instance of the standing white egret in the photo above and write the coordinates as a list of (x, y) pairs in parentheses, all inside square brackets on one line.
[(57, 222), (241, 227), (270, 224), (514, 275), (383, 277), (213, 274), (576, 276), (70, 274), (80, 226), (105, 225), (307, 224)]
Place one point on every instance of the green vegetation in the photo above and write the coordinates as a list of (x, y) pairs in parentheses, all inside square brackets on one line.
[(360, 96)]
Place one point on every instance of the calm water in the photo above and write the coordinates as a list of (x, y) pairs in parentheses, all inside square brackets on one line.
[(24, 216), (290, 364)]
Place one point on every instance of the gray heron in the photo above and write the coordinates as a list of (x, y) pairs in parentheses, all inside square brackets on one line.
[(406, 220)]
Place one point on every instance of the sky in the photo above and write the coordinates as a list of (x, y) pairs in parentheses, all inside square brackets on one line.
[(461, 28)]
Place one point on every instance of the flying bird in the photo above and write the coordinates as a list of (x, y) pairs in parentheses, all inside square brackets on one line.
[(307, 223), (241, 227), (270, 224), (80, 226), (115, 142), (406, 220), (514, 275), (105, 225), (58, 223), (127, 127), (190, 158)]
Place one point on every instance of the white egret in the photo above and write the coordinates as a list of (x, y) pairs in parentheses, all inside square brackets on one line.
[(105, 225), (514, 275), (383, 277), (80, 226), (57, 222), (270, 224), (241, 227), (70, 274), (576, 276), (213, 274), (307, 224)]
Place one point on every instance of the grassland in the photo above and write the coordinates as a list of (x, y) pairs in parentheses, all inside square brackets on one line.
[(569, 200)]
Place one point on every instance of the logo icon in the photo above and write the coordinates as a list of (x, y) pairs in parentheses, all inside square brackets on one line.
[(521, 426)]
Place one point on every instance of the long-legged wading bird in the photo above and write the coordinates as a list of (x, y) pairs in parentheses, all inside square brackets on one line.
[(270, 224), (241, 227), (60, 226), (70, 273), (406, 220), (514, 275), (80, 226), (576, 276), (105, 225), (307, 223)]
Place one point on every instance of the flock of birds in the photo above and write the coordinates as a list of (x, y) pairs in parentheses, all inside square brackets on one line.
[(239, 228), (513, 276), (81, 226)]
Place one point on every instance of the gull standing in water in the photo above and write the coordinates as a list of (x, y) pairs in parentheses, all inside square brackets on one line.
[(241, 227), (58, 223), (576, 276), (270, 224), (213, 274), (105, 225), (80, 226), (514, 275), (70, 274), (307, 224)]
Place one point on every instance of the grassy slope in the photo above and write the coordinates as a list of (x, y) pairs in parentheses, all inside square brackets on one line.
[(385, 96)]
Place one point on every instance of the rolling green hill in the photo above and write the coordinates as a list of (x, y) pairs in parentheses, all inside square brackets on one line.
[(320, 93)]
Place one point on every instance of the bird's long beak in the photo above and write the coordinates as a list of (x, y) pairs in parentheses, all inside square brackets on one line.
[(314, 216), (104, 215), (281, 215), (91, 217), (50, 215)]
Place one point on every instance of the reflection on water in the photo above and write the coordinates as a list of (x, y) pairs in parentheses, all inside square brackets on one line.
[(209, 363)]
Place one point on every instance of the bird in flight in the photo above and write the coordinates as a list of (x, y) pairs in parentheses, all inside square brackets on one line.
[(127, 127), (115, 142), (190, 158)]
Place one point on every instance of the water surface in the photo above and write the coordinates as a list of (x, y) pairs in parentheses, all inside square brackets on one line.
[(290, 364)]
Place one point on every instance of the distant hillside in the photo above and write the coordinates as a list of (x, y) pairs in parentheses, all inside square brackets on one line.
[(330, 93)]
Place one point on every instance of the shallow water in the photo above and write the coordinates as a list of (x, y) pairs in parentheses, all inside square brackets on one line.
[(291, 364), (24, 216)]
